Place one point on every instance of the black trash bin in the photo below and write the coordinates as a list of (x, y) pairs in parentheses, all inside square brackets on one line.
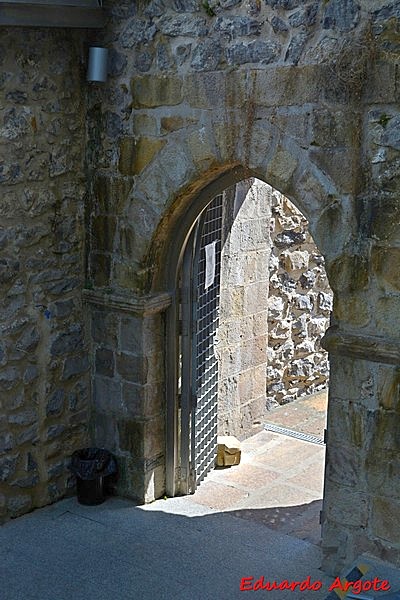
[(92, 467)]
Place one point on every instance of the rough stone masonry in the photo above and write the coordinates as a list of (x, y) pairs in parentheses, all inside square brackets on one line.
[(100, 186), (275, 303)]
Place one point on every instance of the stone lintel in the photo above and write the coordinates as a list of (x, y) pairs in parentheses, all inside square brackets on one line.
[(365, 347), (82, 14), (144, 305)]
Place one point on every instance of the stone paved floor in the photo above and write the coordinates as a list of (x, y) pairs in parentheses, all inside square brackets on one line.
[(280, 479)]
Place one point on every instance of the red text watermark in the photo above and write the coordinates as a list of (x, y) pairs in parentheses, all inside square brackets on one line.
[(250, 584)]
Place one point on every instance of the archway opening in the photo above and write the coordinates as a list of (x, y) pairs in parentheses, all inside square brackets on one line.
[(254, 303)]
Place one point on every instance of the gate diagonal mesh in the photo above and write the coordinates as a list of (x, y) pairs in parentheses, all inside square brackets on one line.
[(207, 315)]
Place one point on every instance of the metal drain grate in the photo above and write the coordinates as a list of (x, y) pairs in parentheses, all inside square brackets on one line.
[(296, 434)]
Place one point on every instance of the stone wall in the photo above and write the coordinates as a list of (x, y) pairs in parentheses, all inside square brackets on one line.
[(274, 308), (299, 307), (301, 94), (242, 333), (44, 364)]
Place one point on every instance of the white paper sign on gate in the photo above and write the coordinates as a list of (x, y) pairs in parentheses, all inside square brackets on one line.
[(210, 264)]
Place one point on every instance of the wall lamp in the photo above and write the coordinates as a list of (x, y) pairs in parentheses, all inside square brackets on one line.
[(97, 64)]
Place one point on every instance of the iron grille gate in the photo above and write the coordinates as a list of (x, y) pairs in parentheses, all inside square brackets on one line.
[(199, 365)]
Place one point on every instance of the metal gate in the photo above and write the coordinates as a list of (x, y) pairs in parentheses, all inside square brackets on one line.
[(200, 285)]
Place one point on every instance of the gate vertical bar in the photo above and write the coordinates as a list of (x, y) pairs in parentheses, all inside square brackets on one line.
[(186, 361), (205, 364)]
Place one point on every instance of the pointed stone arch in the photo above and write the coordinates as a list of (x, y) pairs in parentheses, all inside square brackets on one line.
[(273, 124)]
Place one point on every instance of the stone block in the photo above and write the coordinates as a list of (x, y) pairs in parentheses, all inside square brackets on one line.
[(340, 164), (184, 26), (100, 268), (384, 519), (150, 91), (105, 431), (280, 169), (255, 51), (381, 216), (352, 309), (342, 18), (136, 153), (252, 414), (104, 362), (287, 86), (228, 137), (348, 273), (137, 31), (387, 314), (9, 377), (228, 451), (18, 505), (388, 382), (108, 396), (344, 463), (143, 400), (259, 143), (55, 431), (354, 380), (176, 165), (174, 123), (110, 193), (206, 55), (381, 475), (334, 128), (345, 506), (105, 328), (131, 335), (75, 365), (68, 342), (237, 26), (26, 417), (132, 368), (255, 298), (126, 276), (216, 89), (347, 422), (386, 266), (202, 149), (103, 233), (6, 442), (142, 439), (384, 429), (144, 125), (30, 435), (295, 260), (139, 480)]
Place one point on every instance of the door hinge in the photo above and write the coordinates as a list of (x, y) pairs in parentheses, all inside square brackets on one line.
[(321, 516), (192, 480), (325, 436)]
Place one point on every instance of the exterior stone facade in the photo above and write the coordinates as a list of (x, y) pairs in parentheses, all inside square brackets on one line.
[(44, 362), (303, 95), (299, 307)]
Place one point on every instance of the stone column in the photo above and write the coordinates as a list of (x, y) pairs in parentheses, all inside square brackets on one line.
[(362, 485), (128, 388)]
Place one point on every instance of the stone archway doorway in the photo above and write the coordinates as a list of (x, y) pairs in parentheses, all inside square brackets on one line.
[(197, 312)]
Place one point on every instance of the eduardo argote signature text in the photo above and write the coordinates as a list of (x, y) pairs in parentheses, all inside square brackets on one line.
[(249, 584)]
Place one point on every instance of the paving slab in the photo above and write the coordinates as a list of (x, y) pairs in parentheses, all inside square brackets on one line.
[(257, 519), (168, 550)]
